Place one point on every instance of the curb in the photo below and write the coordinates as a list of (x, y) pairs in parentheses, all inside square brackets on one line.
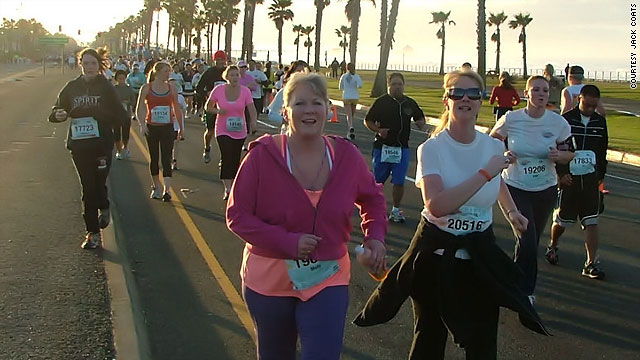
[(620, 157), (129, 335)]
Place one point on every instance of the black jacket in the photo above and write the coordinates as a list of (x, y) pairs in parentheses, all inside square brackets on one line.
[(490, 263), (95, 98), (593, 136)]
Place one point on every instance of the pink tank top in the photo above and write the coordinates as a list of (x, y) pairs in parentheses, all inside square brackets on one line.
[(269, 276)]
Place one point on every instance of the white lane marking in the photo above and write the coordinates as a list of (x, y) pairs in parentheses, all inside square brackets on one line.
[(267, 125), (623, 179)]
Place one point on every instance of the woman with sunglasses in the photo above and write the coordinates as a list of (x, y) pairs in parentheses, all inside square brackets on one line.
[(454, 272), (538, 138)]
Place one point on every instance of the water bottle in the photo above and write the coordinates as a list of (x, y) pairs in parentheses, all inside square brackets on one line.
[(362, 255)]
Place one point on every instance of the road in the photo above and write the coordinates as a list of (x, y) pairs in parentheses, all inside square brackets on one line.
[(184, 263)]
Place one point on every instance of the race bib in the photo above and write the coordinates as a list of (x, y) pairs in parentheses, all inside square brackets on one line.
[(534, 172), (188, 85), (307, 273), (235, 123), (468, 219), (584, 162), (84, 128), (161, 114), (391, 154)]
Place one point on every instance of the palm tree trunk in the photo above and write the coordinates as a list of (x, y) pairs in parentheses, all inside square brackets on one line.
[(298, 47), (252, 16), (228, 27), (344, 52), (316, 58), (482, 41), (245, 29), (379, 85), (498, 51), (383, 21), (219, 32), (524, 53), (168, 39), (280, 45), (442, 55), (147, 34), (353, 37)]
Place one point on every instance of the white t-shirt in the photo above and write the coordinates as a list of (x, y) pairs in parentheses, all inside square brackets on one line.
[(574, 92), (259, 76), (108, 74), (455, 162), (349, 84), (195, 79), (183, 107), (179, 81), (530, 139)]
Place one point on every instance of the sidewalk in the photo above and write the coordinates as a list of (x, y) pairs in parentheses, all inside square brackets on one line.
[(612, 155)]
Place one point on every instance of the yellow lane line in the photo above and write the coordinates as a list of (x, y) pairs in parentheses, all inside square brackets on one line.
[(221, 277)]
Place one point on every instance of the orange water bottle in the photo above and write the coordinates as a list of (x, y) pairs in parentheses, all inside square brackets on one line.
[(362, 255)]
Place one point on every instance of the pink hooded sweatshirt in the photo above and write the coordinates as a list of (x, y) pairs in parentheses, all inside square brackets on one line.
[(270, 210)]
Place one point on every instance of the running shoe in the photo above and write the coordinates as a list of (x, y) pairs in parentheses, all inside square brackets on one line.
[(206, 157), (127, 154), (396, 216), (91, 241), (225, 197), (174, 164), (104, 218), (155, 193), (351, 135), (119, 155), (166, 197), (592, 271), (551, 255)]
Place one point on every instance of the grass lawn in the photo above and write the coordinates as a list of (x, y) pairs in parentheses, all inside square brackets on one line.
[(624, 130)]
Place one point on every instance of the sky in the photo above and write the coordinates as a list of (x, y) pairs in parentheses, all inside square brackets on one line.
[(592, 33)]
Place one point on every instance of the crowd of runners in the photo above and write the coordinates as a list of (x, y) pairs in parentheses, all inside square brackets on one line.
[(546, 158)]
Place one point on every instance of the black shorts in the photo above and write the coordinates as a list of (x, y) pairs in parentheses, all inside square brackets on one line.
[(576, 202), (209, 120)]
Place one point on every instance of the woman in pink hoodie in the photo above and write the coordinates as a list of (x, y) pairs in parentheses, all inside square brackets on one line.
[(292, 202)]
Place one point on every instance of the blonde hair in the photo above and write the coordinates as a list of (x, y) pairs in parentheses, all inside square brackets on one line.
[(316, 82), (534, 78), (156, 67), (450, 79)]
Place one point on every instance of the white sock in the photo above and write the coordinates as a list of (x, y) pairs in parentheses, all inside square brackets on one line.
[(167, 184), (395, 209)]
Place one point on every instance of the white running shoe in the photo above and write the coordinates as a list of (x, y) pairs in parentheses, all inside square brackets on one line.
[(397, 216)]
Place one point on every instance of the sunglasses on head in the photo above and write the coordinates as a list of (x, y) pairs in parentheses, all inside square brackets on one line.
[(459, 93)]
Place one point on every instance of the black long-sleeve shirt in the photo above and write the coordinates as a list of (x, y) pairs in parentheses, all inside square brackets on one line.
[(96, 98)]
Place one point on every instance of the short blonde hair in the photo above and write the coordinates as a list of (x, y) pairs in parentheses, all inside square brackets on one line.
[(534, 78), (316, 82), (450, 79)]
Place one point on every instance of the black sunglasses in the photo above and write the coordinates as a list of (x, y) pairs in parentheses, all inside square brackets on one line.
[(458, 93)]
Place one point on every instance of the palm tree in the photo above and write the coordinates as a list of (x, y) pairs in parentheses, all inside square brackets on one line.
[(344, 43), (482, 40), (442, 18), (522, 20), (247, 27), (497, 20), (199, 23), (353, 12), (230, 16), (151, 6), (279, 12), (308, 43), (379, 85), (297, 29), (320, 5)]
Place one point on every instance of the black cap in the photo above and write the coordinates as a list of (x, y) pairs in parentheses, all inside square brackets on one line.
[(576, 70)]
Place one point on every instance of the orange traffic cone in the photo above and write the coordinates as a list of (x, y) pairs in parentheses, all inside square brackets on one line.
[(334, 117)]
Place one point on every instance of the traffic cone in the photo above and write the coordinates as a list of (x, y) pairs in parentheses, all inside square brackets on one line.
[(334, 117)]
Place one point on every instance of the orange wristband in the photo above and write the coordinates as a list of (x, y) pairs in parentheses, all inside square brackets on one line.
[(485, 173)]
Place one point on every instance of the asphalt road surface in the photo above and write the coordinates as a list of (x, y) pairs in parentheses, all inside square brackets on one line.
[(185, 263)]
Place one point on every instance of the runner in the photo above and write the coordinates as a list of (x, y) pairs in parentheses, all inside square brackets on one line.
[(261, 79), (579, 194), (177, 76), (276, 106), (455, 273), (296, 268), (93, 109), (157, 110), (571, 93), (230, 101), (136, 79), (538, 138), (349, 84), (210, 79), (555, 88), (390, 119), (506, 94), (128, 100), (197, 105), (176, 128), (187, 75)]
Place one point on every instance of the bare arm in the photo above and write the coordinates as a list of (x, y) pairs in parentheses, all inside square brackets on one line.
[(176, 106), (567, 102)]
